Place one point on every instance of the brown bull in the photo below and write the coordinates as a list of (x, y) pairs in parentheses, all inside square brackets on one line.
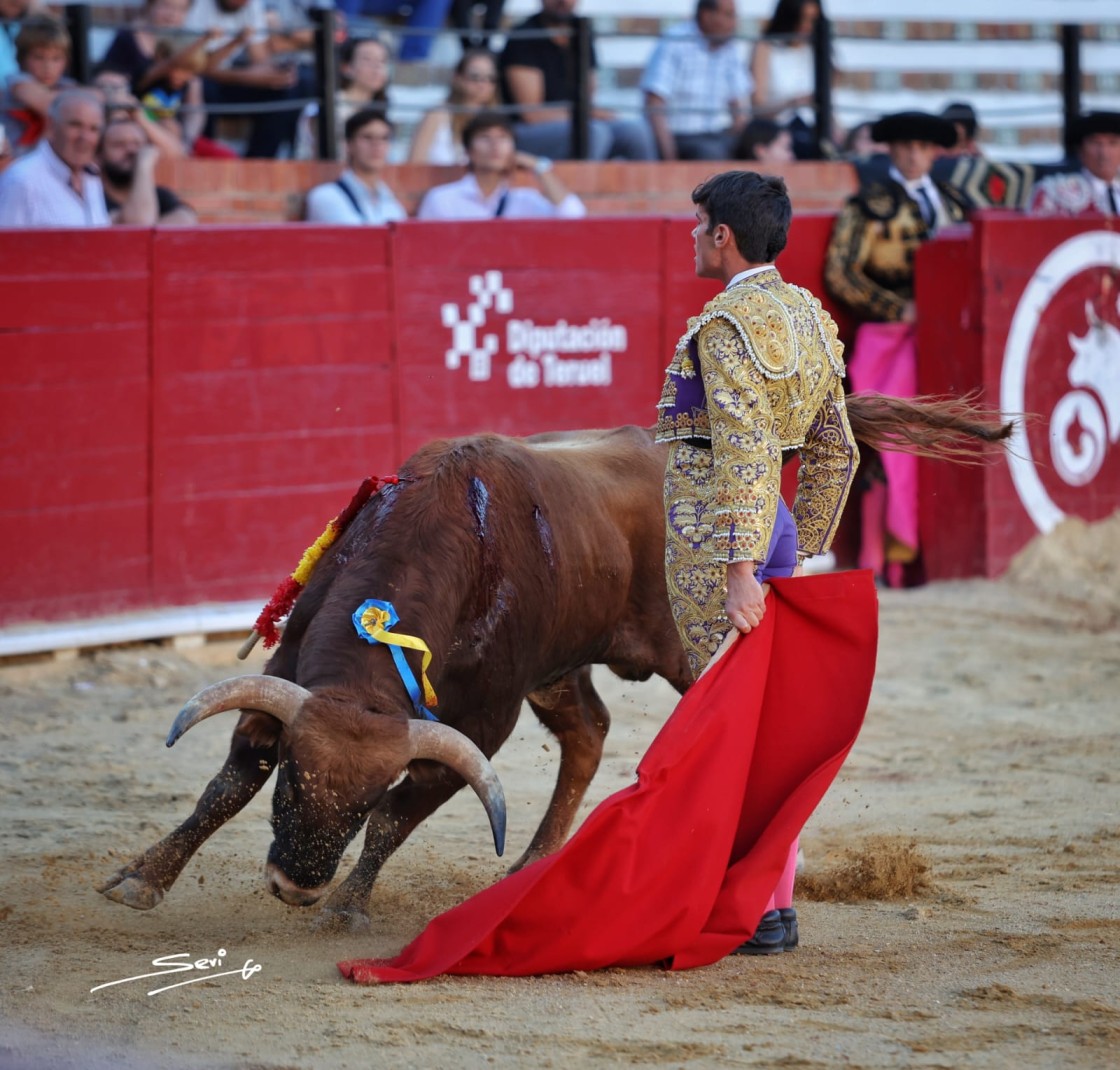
[(520, 563)]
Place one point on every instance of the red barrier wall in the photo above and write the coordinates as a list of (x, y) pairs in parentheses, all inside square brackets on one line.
[(182, 411), (1005, 311), (274, 391), (505, 328), (75, 317)]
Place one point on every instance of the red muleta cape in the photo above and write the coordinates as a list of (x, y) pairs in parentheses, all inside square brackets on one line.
[(676, 869)]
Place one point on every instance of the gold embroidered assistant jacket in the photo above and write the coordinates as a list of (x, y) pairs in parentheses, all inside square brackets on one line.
[(870, 260), (770, 370)]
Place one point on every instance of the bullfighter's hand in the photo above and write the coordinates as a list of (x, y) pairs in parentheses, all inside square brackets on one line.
[(746, 598)]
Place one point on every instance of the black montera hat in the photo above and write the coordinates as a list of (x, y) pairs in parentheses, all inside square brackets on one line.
[(915, 126), (1094, 122)]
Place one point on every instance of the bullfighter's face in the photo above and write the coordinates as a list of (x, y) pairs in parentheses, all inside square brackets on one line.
[(704, 238), (913, 158), (1100, 156)]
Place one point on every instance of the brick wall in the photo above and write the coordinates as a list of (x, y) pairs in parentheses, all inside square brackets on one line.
[(269, 191)]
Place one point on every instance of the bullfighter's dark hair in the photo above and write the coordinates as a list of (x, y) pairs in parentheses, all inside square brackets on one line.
[(755, 207), (363, 118)]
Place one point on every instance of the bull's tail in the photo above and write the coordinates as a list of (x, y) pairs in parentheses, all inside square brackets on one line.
[(952, 429)]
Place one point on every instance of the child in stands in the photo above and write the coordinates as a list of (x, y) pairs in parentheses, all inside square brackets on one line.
[(42, 52)]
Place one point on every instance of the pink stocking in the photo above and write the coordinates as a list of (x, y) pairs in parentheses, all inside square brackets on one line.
[(783, 893)]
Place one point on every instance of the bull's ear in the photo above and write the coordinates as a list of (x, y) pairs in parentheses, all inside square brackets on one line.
[(259, 728)]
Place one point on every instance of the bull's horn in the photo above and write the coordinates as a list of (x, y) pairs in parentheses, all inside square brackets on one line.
[(281, 698), (442, 743)]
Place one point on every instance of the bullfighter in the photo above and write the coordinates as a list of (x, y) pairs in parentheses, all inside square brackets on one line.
[(758, 372)]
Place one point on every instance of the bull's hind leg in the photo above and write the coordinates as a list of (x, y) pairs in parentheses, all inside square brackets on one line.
[(573, 712), (143, 882)]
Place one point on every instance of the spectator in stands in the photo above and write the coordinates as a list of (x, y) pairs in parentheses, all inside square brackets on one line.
[(696, 85), (424, 18), (364, 70), (869, 267), (42, 52), (538, 76), (56, 185), (241, 69), (1095, 188), (766, 142), (484, 192), (11, 14), (438, 138), (783, 72), (127, 159), (471, 34), (963, 118), (359, 196), (162, 64)]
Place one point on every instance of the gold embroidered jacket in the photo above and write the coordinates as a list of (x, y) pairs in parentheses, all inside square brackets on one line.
[(870, 260), (771, 369)]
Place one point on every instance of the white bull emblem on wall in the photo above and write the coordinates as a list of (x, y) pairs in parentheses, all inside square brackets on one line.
[(1093, 406)]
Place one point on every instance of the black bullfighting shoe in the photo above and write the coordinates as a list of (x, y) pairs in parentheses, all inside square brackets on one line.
[(769, 938), (789, 923)]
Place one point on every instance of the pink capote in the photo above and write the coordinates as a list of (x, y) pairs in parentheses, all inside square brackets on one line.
[(677, 868), (884, 359)]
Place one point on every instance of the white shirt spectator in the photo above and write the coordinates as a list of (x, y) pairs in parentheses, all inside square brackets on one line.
[(35, 191), (696, 81), (355, 205), (464, 200), (208, 14)]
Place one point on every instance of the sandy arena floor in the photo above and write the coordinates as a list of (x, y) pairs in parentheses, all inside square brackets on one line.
[(991, 750)]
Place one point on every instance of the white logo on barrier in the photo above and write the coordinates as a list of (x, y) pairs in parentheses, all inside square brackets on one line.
[(538, 352), (1086, 419)]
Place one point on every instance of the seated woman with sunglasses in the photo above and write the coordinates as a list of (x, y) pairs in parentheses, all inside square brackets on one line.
[(438, 138)]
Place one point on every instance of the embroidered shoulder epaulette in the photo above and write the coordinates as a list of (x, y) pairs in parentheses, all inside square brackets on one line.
[(879, 200), (761, 322)]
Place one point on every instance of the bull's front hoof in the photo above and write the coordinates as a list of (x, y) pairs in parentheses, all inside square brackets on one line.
[(346, 920), (131, 891)]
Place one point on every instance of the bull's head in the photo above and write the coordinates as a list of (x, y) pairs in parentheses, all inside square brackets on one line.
[(337, 760)]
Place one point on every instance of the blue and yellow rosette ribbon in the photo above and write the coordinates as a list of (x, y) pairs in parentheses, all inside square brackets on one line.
[(372, 621)]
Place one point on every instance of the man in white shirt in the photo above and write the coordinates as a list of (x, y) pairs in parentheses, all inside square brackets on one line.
[(1095, 189), (696, 85), (359, 196), (484, 192), (56, 184)]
